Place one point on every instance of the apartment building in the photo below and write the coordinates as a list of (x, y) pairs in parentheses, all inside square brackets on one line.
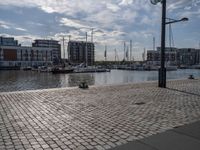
[(175, 56), (79, 53), (13, 54)]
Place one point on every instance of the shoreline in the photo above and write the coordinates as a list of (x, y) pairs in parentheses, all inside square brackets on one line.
[(91, 86)]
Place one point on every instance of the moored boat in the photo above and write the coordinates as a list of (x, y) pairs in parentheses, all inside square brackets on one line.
[(26, 68), (62, 70)]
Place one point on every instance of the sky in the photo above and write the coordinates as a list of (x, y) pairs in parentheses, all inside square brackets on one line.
[(113, 21)]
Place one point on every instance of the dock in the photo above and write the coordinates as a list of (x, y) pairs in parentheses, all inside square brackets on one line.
[(101, 117)]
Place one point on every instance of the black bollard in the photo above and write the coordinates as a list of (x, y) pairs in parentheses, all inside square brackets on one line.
[(83, 85), (191, 77)]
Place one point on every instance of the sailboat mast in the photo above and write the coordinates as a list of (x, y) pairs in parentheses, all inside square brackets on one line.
[(64, 47), (130, 50), (92, 33), (124, 51)]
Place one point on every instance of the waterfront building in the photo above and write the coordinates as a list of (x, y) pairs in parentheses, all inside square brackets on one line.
[(175, 56), (188, 56), (8, 41), (153, 56), (79, 53), (53, 44), (14, 55)]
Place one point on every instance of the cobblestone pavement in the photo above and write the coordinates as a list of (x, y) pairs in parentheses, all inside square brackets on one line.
[(98, 118)]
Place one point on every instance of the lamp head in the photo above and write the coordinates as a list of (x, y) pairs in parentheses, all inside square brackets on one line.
[(184, 19), (154, 2)]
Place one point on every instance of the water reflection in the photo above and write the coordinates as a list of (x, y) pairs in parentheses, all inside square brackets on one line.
[(28, 80)]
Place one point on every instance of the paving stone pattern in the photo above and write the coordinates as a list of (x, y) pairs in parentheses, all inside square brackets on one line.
[(98, 118)]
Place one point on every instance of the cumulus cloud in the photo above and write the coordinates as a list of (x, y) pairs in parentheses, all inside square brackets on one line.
[(126, 2), (73, 23), (113, 21), (113, 7)]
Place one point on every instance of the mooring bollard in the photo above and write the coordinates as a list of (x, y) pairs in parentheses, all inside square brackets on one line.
[(191, 77), (83, 85)]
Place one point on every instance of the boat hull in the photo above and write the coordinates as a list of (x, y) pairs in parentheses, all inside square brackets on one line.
[(62, 71)]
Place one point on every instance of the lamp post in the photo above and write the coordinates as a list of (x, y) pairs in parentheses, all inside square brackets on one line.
[(162, 70), (175, 21)]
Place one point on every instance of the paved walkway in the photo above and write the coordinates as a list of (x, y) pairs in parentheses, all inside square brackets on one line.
[(186, 137), (98, 118)]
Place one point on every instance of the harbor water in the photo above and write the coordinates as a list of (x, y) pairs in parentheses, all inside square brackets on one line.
[(30, 80)]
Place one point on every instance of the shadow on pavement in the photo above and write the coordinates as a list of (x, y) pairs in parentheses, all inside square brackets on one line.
[(181, 91)]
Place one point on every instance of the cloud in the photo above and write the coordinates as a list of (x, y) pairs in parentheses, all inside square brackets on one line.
[(126, 2), (35, 23), (4, 24), (20, 29), (113, 7), (191, 13), (73, 23), (177, 4), (113, 21), (23, 39), (9, 25)]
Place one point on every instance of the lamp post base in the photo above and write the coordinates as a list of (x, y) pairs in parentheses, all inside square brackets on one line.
[(162, 78)]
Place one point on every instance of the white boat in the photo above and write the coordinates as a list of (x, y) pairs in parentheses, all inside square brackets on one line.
[(90, 70), (26, 68), (44, 69)]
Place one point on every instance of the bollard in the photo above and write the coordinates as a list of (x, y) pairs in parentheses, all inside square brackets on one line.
[(191, 77), (83, 85)]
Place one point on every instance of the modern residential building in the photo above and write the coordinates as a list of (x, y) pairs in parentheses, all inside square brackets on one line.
[(153, 57), (14, 55), (8, 41), (53, 44), (79, 53), (188, 56), (175, 56)]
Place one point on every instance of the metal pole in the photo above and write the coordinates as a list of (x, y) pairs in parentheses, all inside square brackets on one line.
[(130, 50), (92, 35), (124, 51), (127, 54), (162, 70), (86, 52), (115, 55), (154, 41), (105, 53), (68, 51), (64, 47)]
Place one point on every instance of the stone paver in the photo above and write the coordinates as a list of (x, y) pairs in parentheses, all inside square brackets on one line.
[(98, 118)]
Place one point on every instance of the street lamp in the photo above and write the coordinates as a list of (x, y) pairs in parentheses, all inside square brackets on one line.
[(162, 70), (154, 2), (175, 21)]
